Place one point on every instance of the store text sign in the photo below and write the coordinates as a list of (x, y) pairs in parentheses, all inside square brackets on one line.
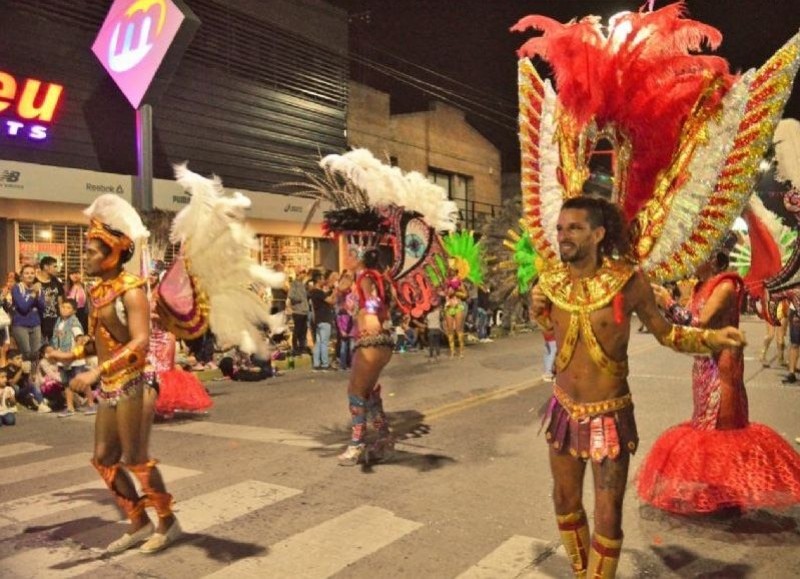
[(27, 106), (133, 42)]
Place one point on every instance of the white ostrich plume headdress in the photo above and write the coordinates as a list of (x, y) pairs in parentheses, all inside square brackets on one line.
[(386, 185), (217, 247), (115, 213)]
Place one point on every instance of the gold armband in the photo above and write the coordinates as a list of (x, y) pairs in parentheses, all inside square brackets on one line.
[(688, 339), (125, 358), (78, 352)]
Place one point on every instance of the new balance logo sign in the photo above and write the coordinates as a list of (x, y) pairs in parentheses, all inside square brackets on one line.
[(9, 176)]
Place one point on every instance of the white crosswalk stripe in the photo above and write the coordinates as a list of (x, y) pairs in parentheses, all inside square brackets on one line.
[(514, 558), (9, 450), (29, 508), (44, 468), (325, 549), (242, 432)]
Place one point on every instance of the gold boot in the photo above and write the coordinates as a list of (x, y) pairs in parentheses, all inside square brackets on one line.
[(461, 344), (603, 557), (574, 531), (451, 341)]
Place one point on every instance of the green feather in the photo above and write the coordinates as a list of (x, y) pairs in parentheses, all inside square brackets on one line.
[(525, 257), (462, 244)]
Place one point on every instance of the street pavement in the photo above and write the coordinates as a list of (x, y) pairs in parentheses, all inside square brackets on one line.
[(468, 495)]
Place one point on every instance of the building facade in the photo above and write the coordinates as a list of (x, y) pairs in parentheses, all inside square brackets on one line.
[(261, 90), (439, 143)]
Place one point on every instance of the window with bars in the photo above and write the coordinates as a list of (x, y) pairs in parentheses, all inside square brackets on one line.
[(63, 242), (460, 190)]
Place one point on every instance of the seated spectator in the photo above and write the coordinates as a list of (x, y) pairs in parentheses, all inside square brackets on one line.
[(8, 402), (20, 380), (245, 369)]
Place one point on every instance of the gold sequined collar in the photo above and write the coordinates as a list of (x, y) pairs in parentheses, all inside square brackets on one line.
[(107, 291), (593, 292)]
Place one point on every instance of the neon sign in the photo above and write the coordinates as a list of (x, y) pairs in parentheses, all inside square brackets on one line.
[(33, 104), (133, 42)]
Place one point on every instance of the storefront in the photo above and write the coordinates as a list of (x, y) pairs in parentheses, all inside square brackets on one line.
[(35, 222)]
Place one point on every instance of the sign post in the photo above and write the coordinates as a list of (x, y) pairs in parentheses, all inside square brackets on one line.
[(140, 45)]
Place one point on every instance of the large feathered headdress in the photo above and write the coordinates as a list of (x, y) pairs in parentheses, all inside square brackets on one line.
[(688, 136)]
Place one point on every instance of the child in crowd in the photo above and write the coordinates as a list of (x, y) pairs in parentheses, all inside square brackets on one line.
[(8, 402), (20, 380), (433, 321), (65, 336), (48, 380)]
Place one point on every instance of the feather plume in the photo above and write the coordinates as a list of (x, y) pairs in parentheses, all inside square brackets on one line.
[(217, 247), (119, 215)]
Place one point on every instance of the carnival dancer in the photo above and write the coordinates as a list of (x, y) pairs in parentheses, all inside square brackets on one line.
[(377, 204), (684, 132), (455, 311), (119, 333), (590, 299), (178, 390), (718, 460)]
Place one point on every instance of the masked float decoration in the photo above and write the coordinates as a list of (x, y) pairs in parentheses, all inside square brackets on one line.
[(376, 205), (688, 135)]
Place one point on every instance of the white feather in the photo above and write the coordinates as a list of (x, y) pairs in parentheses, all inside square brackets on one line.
[(118, 214), (217, 246), (386, 186)]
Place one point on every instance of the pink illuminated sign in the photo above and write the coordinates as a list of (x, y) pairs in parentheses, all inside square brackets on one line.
[(133, 42)]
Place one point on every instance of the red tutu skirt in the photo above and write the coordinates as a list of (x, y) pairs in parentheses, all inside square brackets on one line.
[(690, 470), (180, 391)]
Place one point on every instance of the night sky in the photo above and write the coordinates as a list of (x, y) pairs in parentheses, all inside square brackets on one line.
[(468, 41)]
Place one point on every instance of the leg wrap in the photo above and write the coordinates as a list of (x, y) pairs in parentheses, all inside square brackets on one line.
[(375, 412), (603, 557), (781, 356), (451, 342), (133, 508), (160, 501), (574, 531), (461, 343), (358, 417)]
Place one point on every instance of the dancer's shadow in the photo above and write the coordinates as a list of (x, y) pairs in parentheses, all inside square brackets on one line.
[(756, 528), (217, 549), (686, 563), (407, 426)]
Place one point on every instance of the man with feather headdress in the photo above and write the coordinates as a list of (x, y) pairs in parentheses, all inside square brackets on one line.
[(688, 137), (119, 333)]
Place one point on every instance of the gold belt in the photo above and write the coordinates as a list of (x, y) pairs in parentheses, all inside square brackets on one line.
[(120, 379), (581, 410)]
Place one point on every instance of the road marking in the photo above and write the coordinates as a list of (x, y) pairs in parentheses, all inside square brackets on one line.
[(242, 432), (15, 474), (478, 399), (21, 448), (321, 551), (32, 507), (513, 558), (224, 505)]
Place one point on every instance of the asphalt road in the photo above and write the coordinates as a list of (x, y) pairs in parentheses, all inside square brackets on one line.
[(259, 493)]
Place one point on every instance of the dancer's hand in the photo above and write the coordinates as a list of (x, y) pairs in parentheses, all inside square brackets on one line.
[(728, 337), (84, 381)]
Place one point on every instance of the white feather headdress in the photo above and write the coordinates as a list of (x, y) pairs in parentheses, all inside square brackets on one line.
[(217, 247), (386, 186), (113, 211)]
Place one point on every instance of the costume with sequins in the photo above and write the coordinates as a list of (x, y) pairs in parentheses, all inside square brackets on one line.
[(718, 459)]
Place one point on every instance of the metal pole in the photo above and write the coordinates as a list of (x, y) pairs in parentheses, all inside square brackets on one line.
[(143, 190)]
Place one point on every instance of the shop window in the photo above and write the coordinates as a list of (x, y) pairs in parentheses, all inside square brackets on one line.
[(293, 252)]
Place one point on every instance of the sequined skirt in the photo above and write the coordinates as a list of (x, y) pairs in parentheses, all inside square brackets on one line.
[(596, 430)]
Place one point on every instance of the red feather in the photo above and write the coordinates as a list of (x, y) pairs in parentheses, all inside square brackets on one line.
[(765, 255)]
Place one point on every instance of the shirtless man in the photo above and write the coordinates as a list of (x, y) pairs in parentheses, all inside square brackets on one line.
[(119, 332), (590, 298)]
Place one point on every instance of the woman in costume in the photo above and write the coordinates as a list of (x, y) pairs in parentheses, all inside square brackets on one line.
[(465, 264), (377, 204), (179, 391), (718, 460)]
